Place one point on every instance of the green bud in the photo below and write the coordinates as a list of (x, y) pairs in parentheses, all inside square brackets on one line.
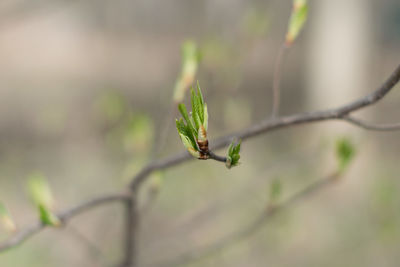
[(233, 155)]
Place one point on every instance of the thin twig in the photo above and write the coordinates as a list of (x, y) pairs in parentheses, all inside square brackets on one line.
[(214, 156), (64, 216), (252, 228), (276, 81), (371, 126)]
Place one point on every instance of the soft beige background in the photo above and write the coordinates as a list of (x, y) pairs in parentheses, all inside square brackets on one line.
[(61, 60)]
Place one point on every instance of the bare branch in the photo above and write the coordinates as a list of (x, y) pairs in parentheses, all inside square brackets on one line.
[(252, 228), (371, 126), (64, 216)]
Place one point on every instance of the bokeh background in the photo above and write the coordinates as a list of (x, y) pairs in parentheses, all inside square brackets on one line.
[(85, 92)]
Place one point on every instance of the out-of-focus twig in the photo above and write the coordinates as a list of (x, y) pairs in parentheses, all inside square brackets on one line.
[(276, 80), (371, 126), (64, 217), (93, 248), (253, 227), (130, 233)]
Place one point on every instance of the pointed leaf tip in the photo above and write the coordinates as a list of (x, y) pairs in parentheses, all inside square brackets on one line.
[(297, 21), (47, 217)]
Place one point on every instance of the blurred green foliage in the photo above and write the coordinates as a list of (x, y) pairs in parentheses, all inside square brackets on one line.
[(138, 132), (255, 22), (42, 197), (275, 190), (385, 205), (39, 190), (344, 153), (190, 61), (6, 219), (111, 105), (126, 129)]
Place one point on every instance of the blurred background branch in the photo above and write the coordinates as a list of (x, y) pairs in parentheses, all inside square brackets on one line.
[(270, 211)]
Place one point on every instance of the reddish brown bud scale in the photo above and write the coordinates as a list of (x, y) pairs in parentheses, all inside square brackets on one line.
[(203, 147)]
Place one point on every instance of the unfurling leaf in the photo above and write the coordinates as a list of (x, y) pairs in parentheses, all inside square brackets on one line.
[(192, 128), (189, 146), (345, 153), (42, 197), (297, 20), (6, 219), (190, 61), (233, 156)]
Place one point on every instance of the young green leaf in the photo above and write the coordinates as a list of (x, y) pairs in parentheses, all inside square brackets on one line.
[(297, 20), (181, 127), (185, 131), (200, 102), (200, 94), (345, 153), (185, 115), (205, 122), (6, 219), (196, 110), (189, 146)]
